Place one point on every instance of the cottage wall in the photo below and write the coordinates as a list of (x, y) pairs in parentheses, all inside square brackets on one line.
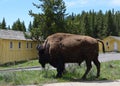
[(0, 49), (112, 44), (100, 47), (15, 47), (17, 50)]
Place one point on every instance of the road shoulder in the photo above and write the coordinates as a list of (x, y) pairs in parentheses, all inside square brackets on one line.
[(87, 83)]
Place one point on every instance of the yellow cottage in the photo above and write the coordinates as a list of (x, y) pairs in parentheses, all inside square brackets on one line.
[(15, 47), (112, 44)]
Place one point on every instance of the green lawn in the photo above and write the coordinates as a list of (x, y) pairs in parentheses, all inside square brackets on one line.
[(20, 64), (109, 71)]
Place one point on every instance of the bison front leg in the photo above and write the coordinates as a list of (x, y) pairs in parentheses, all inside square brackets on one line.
[(89, 66), (60, 70)]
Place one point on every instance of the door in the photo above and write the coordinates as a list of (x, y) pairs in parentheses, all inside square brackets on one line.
[(115, 46), (0, 48)]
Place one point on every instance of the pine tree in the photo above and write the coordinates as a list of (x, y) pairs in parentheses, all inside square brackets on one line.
[(8, 27), (30, 27), (19, 26), (23, 26), (51, 20), (3, 24), (72, 24), (111, 28), (98, 28), (0, 25), (86, 25)]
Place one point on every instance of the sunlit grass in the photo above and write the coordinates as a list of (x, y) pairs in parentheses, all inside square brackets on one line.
[(109, 71), (28, 63)]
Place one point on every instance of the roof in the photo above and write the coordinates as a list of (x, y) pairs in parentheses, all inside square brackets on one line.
[(116, 37), (11, 34)]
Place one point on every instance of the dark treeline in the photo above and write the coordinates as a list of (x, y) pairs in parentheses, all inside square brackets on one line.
[(95, 24), (17, 25), (53, 18)]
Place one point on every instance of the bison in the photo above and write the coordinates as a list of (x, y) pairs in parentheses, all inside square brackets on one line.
[(61, 48)]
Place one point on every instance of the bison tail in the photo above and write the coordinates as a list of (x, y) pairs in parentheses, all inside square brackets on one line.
[(103, 47)]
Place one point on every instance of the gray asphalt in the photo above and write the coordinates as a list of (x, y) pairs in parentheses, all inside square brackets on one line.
[(87, 83), (109, 57)]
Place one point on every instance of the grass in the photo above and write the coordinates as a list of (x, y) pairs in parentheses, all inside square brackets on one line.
[(20, 64), (109, 71)]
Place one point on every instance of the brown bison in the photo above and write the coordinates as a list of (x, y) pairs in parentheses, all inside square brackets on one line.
[(61, 48)]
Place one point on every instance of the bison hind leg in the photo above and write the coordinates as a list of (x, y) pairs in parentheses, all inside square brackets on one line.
[(89, 66), (97, 63)]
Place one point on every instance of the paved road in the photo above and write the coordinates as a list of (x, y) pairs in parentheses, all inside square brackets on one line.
[(109, 57), (87, 83)]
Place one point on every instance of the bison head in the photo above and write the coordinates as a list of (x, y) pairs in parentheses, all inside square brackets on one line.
[(42, 55)]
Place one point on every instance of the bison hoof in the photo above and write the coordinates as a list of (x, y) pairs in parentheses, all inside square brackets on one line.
[(83, 78), (58, 76), (97, 76)]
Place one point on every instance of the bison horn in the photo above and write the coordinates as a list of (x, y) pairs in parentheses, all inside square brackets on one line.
[(38, 47)]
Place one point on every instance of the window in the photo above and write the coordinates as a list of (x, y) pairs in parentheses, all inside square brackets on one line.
[(27, 45), (31, 45), (11, 45), (107, 43), (19, 45)]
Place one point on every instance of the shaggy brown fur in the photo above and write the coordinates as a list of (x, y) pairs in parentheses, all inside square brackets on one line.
[(61, 48)]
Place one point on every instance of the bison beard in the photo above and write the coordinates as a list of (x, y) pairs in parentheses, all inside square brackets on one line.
[(61, 48)]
